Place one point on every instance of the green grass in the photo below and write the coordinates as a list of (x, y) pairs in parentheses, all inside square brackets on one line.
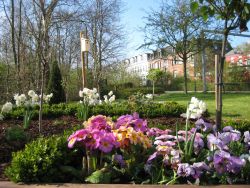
[(235, 105)]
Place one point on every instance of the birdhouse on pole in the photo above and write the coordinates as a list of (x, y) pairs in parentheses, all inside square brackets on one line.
[(85, 45)]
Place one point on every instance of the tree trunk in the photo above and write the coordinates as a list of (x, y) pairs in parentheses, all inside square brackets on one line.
[(220, 81), (185, 72)]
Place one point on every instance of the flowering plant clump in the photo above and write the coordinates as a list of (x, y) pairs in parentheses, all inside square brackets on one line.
[(109, 98), (199, 153), (28, 102), (6, 108), (91, 98), (103, 136)]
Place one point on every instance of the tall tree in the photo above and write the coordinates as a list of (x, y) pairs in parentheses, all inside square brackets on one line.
[(55, 84), (234, 14), (176, 26), (154, 75), (105, 32)]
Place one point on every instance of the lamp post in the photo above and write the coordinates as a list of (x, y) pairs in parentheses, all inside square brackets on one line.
[(85, 46)]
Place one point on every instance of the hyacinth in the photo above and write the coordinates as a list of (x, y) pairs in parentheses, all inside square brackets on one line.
[(195, 109), (7, 107)]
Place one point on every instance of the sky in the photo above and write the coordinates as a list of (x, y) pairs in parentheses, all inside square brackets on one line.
[(132, 19)]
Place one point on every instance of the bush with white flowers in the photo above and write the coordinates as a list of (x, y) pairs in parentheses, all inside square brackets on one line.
[(90, 97), (27, 102)]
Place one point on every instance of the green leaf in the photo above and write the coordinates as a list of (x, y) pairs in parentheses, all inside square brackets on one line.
[(194, 6), (100, 176)]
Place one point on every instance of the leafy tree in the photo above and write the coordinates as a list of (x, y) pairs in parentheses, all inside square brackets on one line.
[(234, 14), (154, 75), (55, 85), (176, 26)]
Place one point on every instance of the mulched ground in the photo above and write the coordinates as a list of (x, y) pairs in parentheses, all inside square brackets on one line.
[(51, 127)]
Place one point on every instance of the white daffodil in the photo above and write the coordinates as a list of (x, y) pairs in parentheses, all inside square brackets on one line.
[(7, 107), (112, 99), (31, 93), (110, 93)]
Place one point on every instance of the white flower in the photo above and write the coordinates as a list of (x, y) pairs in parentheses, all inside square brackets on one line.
[(195, 101), (80, 101), (105, 97), (110, 93), (81, 93), (35, 99), (112, 99), (16, 97), (100, 101), (94, 90), (85, 90), (7, 107), (149, 96), (202, 106), (47, 98), (195, 109), (22, 98), (31, 93)]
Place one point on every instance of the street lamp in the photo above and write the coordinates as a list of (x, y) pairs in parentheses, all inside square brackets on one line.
[(85, 46)]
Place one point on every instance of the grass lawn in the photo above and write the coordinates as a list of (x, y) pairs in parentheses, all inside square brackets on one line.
[(235, 105)]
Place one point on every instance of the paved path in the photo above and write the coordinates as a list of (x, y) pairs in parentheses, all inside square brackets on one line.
[(7, 184)]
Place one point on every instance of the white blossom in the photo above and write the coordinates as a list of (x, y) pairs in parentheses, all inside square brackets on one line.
[(195, 109), (112, 99), (149, 96), (7, 107), (110, 93), (31, 93), (81, 93)]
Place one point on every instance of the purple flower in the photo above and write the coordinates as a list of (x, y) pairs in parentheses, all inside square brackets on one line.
[(99, 122), (198, 143), (213, 143), (140, 125), (235, 164), (204, 126), (224, 162), (123, 120), (227, 129), (119, 159), (247, 139), (220, 161), (199, 168), (151, 157), (185, 170)]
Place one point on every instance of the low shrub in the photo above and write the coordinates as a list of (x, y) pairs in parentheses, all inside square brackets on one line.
[(46, 160), (15, 134), (146, 110), (241, 125), (126, 92)]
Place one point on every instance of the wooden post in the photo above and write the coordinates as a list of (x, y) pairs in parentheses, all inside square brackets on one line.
[(218, 94), (84, 56), (203, 60)]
